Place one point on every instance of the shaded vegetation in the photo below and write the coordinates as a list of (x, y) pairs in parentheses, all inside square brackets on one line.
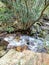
[(23, 11)]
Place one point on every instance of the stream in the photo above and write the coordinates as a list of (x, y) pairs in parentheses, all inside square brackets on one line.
[(33, 44), (11, 41)]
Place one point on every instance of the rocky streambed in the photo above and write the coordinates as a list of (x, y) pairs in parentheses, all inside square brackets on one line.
[(22, 42)]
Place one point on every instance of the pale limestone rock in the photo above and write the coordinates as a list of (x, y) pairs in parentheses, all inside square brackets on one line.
[(24, 58), (15, 58)]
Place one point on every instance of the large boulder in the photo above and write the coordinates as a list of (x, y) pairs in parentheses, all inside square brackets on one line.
[(24, 58)]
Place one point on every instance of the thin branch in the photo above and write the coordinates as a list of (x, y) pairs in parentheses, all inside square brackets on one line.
[(45, 2), (40, 15)]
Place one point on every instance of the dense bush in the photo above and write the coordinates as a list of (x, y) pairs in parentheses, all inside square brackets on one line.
[(25, 10), (22, 10)]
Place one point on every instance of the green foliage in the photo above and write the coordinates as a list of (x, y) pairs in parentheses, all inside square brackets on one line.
[(28, 10), (9, 29), (5, 14), (5, 17), (37, 30), (23, 10)]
